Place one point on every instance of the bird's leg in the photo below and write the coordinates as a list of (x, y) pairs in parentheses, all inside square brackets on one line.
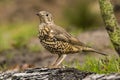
[(60, 59), (56, 60)]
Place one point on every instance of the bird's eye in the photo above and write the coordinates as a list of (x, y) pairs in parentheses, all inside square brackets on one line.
[(46, 14)]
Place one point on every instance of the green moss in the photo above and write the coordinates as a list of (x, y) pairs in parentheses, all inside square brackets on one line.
[(111, 24), (115, 37)]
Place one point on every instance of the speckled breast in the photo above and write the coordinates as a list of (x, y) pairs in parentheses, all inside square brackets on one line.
[(59, 47), (53, 45)]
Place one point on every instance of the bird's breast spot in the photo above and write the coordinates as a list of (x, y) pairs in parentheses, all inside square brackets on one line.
[(51, 31), (50, 35)]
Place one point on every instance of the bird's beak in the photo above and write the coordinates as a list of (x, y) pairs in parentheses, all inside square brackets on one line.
[(37, 14)]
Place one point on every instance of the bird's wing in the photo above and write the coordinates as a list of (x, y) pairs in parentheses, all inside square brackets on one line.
[(62, 35)]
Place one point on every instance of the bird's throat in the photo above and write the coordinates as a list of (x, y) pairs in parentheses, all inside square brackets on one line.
[(45, 20)]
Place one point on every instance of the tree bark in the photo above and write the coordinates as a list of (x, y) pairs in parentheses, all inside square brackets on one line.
[(55, 74), (111, 23)]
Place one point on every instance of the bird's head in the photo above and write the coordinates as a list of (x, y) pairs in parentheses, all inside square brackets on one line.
[(45, 17)]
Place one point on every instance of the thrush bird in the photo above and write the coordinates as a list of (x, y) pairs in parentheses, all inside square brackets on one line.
[(57, 40)]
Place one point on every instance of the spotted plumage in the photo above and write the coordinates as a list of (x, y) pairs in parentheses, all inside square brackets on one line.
[(52, 44), (58, 41)]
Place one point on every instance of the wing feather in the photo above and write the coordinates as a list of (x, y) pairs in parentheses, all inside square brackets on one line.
[(62, 35)]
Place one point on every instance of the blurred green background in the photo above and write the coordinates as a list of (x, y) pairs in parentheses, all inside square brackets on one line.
[(19, 24)]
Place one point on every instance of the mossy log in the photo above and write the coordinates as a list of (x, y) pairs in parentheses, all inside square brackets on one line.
[(111, 23)]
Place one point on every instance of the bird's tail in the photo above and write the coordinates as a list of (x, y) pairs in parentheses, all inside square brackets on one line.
[(88, 49)]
